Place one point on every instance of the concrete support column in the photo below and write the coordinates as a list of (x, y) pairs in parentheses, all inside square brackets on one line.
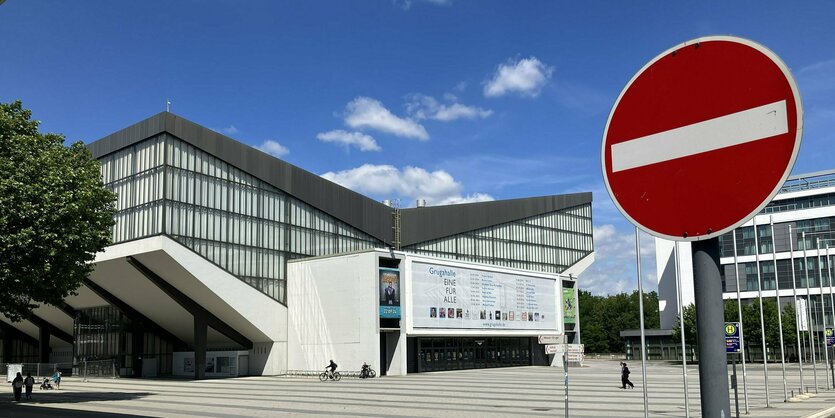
[(200, 332), (43, 345), (137, 348)]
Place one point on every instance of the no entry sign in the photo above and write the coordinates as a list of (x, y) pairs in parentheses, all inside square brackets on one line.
[(702, 138)]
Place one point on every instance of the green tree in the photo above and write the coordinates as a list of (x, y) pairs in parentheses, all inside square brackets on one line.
[(603, 317), (690, 331), (55, 214)]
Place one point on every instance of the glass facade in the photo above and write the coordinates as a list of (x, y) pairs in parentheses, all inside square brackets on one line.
[(549, 243), (240, 223), (105, 333)]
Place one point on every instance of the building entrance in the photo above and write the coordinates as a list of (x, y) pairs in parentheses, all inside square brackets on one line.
[(458, 353)]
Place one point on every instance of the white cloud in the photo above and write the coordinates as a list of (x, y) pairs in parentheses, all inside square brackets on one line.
[(525, 77), (411, 183), (358, 139), (273, 148), (426, 107), (368, 113), (818, 77), (407, 4), (614, 267), (229, 130)]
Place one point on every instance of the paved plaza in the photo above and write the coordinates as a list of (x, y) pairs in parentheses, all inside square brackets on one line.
[(511, 392)]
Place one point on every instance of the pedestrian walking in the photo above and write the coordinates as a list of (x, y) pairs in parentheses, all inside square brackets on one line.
[(624, 377), (28, 383), (56, 378), (17, 386)]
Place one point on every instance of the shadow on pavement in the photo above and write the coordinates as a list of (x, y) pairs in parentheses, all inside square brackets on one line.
[(25, 409)]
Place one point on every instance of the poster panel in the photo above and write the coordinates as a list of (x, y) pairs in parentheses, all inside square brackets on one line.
[(452, 297), (569, 305), (389, 293)]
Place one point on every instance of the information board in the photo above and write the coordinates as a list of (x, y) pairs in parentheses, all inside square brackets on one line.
[(732, 337), (830, 337), (454, 297)]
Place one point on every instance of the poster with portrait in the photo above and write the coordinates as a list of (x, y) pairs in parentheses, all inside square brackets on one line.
[(389, 293), (188, 365), (569, 305)]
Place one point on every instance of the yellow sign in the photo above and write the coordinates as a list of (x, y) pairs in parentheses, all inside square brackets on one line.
[(730, 329)]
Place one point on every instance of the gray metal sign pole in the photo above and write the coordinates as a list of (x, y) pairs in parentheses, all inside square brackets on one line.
[(710, 316)]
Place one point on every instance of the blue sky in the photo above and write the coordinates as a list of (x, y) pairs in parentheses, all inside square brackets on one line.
[(444, 100)]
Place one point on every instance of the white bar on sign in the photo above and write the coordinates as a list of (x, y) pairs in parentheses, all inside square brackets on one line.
[(713, 134)]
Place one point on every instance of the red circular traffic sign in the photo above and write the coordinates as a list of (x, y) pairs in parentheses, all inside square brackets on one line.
[(702, 138)]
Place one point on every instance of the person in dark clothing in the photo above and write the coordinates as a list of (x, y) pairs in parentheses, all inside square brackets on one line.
[(624, 377), (331, 367), (17, 386), (28, 383)]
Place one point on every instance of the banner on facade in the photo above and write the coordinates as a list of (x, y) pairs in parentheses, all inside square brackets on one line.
[(389, 293), (463, 298), (802, 319), (569, 305)]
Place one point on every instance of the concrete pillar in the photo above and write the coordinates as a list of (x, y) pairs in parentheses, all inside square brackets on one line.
[(43, 345), (200, 331), (137, 348)]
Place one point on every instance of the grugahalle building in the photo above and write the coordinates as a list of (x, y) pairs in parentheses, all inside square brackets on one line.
[(227, 261)]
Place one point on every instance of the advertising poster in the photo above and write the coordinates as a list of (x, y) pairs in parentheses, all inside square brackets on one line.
[(462, 298), (569, 306), (389, 293), (188, 365)]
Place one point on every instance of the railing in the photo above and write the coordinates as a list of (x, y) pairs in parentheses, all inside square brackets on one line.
[(39, 370), (316, 373), (96, 369)]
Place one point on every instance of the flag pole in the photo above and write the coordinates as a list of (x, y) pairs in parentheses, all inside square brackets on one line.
[(741, 326), (779, 309), (681, 331), (641, 308), (762, 320)]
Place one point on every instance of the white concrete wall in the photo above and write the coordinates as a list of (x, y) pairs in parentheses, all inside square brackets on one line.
[(333, 312), (666, 273)]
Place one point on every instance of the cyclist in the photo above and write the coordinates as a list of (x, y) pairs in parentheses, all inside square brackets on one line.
[(331, 368)]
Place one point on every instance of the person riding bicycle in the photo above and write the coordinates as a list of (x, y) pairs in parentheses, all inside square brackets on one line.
[(331, 367)]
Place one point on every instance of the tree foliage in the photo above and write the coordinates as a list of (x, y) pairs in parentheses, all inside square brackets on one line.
[(602, 318), (750, 323), (690, 331), (55, 214)]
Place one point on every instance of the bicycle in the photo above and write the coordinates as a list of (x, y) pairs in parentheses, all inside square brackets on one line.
[(368, 373), (325, 375)]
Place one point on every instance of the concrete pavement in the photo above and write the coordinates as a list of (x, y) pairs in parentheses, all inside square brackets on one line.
[(594, 391)]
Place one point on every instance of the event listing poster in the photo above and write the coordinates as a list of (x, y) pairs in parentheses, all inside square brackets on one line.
[(462, 298)]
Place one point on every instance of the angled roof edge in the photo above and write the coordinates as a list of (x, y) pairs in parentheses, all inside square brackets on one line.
[(359, 211), (433, 222)]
